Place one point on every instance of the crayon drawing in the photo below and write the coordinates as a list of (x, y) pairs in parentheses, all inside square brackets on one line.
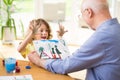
[(50, 49)]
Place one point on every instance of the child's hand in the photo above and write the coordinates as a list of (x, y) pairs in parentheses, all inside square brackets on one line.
[(61, 31), (33, 26)]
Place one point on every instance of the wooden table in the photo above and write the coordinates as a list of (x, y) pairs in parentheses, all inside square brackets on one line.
[(39, 74), (36, 72)]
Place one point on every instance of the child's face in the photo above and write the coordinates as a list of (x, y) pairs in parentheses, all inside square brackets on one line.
[(42, 33)]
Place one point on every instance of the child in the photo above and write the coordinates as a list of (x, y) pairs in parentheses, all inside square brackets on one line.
[(39, 29)]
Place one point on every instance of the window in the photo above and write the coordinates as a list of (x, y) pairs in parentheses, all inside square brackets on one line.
[(23, 15)]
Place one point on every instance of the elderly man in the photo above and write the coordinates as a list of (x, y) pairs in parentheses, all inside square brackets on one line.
[(100, 54)]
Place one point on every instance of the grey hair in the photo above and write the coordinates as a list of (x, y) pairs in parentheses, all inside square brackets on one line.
[(95, 5)]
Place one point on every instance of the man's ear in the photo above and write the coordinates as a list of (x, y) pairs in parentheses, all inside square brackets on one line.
[(89, 12)]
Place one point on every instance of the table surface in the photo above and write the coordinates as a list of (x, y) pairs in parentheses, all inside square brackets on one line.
[(36, 72)]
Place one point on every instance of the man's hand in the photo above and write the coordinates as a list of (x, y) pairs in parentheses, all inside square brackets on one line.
[(35, 58)]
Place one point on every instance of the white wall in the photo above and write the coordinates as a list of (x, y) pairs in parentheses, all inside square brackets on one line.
[(38, 8), (114, 8), (50, 10)]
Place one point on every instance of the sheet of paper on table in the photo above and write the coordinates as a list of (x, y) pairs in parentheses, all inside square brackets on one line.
[(20, 77)]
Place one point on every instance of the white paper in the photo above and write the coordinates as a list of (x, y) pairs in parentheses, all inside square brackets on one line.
[(21, 77), (50, 49)]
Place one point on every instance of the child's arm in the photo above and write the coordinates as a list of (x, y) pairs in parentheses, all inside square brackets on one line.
[(24, 43), (61, 32), (29, 36)]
